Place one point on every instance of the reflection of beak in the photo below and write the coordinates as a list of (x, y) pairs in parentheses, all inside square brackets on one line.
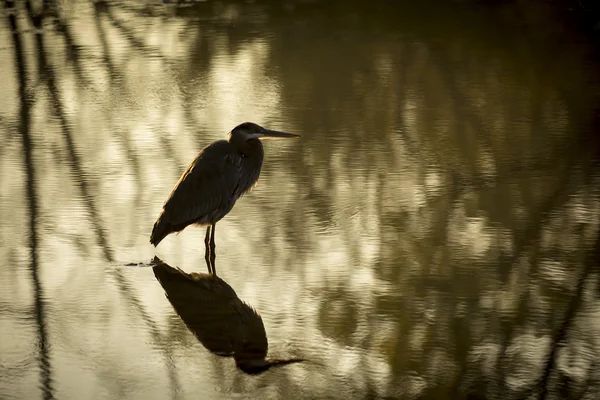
[(258, 366), (267, 133)]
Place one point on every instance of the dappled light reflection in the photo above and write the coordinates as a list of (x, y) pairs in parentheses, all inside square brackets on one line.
[(433, 235)]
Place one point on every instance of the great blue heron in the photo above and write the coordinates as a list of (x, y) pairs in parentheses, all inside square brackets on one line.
[(219, 319), (212, 183)]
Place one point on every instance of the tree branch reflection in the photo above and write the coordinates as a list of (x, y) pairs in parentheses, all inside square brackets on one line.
[(437, 180), (559, 337), (32, 199), (87, 195), (73, 156)]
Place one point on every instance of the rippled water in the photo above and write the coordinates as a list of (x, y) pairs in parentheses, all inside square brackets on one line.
[(434, 234)]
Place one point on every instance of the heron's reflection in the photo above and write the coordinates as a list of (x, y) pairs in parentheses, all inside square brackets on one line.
[(213, 312)]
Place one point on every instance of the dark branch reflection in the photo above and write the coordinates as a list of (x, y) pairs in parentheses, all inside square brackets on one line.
[(431, 237), (565, 327), (32, 196), (79, 175), (218, 318)]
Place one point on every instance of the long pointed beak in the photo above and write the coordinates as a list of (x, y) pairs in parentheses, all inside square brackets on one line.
[(267, 133)]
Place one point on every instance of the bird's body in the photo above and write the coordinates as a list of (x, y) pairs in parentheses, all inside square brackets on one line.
[(208, 189)]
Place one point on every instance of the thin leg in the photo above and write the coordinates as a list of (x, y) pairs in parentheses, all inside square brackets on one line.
[(213, 264), (213, 254), (207, 250), (212, 238), (208, 265)]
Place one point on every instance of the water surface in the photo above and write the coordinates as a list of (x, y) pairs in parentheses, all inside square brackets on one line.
[(434, 234)]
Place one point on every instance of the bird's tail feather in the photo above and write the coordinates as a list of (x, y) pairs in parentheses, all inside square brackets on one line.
[(159, 231)]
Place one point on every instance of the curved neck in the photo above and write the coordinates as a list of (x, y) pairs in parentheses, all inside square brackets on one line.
[(250, 148), (252, 156)]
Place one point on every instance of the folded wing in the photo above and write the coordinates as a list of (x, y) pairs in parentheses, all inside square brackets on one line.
[(205, 192)]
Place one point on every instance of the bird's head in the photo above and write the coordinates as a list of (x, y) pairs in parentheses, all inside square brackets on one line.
[(248, 131)]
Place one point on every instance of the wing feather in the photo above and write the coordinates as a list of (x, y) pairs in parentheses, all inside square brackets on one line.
[(204, 193)]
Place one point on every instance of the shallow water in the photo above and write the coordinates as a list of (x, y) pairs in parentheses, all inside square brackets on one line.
[(433, 234)]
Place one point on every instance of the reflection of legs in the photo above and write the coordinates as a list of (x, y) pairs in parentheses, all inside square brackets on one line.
[(213, 254), (207, 251), (208, 265)]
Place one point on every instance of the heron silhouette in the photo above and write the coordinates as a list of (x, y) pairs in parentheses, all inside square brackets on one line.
[(209, 187), (218, 318)]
